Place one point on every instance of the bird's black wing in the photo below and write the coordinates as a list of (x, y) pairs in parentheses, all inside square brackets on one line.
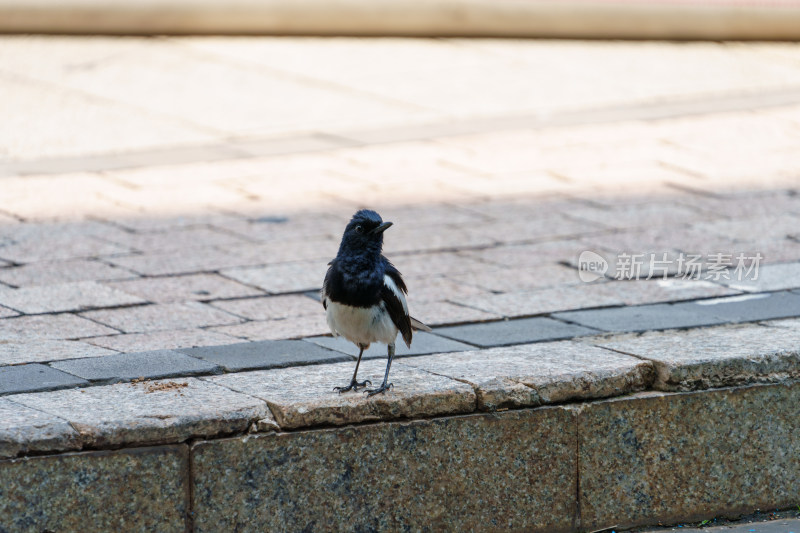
[(323, 294), (393, 273), (393, 298)]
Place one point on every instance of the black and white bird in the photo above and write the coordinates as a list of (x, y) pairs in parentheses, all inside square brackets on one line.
[(364, 294)]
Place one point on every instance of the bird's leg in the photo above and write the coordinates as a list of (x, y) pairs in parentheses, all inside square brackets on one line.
[(384, 386), (354, 385)]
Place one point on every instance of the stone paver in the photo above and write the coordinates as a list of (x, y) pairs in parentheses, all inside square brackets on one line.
[(34, 377), (33, 351), (512, 470), (507, 332), (24, 430), (655, 457), (287, 328), (286, 277), (265, 354), (184, 288), (65, 297), (761, 306), (643, 318), (64, 326), (304, 396), (536, 374), (714, 357), (162, 411), (421, 343), (161, 317), (446, 313), (47, 272), (128, 366), (271, 308), (166, 339), (83, 491), (770, 278)]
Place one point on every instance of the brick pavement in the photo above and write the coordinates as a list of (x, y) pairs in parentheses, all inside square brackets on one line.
[(206, 214)]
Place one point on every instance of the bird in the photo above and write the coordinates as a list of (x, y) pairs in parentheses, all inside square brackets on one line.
[(364, 295)]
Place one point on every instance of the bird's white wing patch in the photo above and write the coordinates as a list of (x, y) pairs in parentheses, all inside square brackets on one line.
[(389, 282)]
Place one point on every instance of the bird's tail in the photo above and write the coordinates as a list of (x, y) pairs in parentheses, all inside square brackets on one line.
[(416, 324)]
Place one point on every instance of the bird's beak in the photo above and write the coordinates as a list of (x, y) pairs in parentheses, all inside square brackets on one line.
[(383, 227)]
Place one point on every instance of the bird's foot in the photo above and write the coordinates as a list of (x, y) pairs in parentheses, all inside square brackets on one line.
[(354, 385), (382, 388)]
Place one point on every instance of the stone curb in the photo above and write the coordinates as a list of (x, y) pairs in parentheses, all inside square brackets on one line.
[(173, 410), (484, 18), (644, 458)]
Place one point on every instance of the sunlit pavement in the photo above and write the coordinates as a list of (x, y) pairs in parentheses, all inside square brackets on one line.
[(174, 192)]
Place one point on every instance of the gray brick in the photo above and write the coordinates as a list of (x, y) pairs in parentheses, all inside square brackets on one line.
[(35, 377), (751, 307), (266, 354), (508, 332), (643, 318), (422, 344), (127, 366)]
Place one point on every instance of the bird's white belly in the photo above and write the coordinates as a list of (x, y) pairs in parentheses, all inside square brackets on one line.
[(361, 325)]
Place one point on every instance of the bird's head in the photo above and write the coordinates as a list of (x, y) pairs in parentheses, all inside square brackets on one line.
[(364, 232)]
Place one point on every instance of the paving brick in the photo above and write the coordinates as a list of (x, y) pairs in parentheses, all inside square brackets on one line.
[(507, 332), (150, 412), (442, 313), (520, 279), (265, 354), (34, 377), (162, 316), (414, 394), (714, 357), (434, 264), (65, 326), (437, 289), (272, 307), (530, 255), (633, 215), (536, 374), (175, 239), (24, 430), (287, 277), (422, 343), (48, 248), (775, 226), (513, 470), (53, 272), (128, 366), (158, 340), (141, 489), (268, 330), (184, 288), (38, 351), (770, 278), (542, 301), (661, 457), (750, 307), (65, 297), (642, 318), (321, 249), (202, 259)]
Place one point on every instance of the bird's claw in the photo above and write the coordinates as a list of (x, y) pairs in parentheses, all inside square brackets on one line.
[(382, 388), (354, 385)]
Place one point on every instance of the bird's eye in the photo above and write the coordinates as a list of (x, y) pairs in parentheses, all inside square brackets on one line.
[(359, 229)]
